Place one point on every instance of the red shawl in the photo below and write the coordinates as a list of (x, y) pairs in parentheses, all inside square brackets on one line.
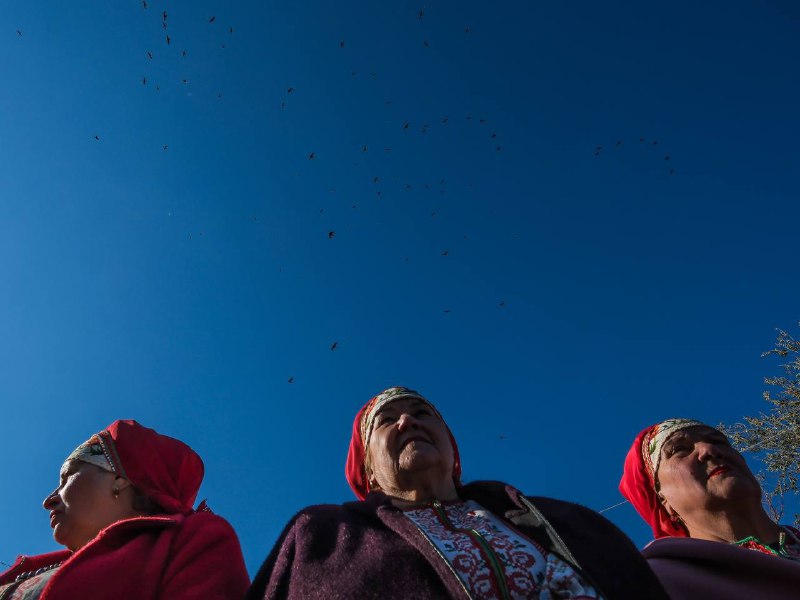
[(638, 487), (164, 469)]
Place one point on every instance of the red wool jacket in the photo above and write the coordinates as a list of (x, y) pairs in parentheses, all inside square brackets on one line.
[(173, 557)]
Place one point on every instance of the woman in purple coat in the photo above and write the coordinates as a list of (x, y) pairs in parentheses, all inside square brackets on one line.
[(713, 538), (417, 532)]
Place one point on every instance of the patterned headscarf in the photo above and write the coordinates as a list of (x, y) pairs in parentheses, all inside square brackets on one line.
[(354, 469), (164, 469), (96, 452), (639, 483)]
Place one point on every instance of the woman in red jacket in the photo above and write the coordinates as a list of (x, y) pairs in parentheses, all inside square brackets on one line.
[(123, 510)]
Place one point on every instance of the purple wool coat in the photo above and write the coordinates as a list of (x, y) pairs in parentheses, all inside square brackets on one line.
[(691, 569), (370, 549)]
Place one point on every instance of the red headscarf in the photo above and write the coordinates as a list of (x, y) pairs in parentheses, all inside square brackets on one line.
[(354, 469), (639, 488), (164, 469)]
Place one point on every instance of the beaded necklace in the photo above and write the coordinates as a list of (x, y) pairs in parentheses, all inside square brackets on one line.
[(753, 543), (29, 574), (7, 590)]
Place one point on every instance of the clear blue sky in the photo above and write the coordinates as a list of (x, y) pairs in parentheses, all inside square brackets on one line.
[(184, 287)]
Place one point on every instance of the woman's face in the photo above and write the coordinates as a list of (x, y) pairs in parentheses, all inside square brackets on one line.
[(84, 503), (409, 442), (701, 472)]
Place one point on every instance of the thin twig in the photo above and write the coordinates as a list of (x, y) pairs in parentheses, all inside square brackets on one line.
[(615, 506)]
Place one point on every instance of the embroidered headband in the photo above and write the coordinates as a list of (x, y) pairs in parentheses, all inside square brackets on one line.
[(99, 450)]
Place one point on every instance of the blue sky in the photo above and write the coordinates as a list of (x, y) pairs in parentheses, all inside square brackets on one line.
[(184, 286)]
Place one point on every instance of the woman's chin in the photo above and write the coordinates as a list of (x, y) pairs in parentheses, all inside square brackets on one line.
[(419, 462), (58, 538), (61, 537)]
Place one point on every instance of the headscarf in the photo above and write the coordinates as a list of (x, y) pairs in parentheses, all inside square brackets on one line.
[(92, 451), (639, 483), (162, 468), (354, 469)]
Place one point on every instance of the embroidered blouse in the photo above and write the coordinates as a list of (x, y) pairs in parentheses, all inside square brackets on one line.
[(494, 561), (28, 586), (788, 546)]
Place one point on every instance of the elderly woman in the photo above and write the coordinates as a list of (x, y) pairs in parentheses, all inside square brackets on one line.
[(123, 509), (713, 537), (418, 533)]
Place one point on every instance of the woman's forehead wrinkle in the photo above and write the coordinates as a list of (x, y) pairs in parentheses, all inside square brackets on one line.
[(400, 405), (415, 403), (703, 433), (693, 434), (684, 434)]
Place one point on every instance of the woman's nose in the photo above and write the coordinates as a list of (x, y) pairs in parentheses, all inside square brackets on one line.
[(406, 420), (706, 449), (51, 501)]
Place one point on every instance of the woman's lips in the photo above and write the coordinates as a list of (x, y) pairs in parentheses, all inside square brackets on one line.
[(53, 518), (718, 471), (416, 438)]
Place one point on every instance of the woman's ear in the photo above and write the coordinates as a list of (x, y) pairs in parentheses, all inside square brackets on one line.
[(673, 514), (120, 483), (373, 483)]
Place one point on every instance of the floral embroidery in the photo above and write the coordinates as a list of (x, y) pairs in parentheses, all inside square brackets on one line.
[(478, 544), (789, 549)]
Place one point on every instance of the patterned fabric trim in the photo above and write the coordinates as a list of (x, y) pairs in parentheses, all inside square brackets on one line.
[(110, 450), (93, 452), (28, 586), (492, 560), (788, 544)]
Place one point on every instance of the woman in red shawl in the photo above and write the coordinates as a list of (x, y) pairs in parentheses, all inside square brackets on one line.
[(123, 510), (713, 537), (417, 532)]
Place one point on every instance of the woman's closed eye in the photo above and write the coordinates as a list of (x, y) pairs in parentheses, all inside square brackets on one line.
[(677, 450), (384, 420)]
